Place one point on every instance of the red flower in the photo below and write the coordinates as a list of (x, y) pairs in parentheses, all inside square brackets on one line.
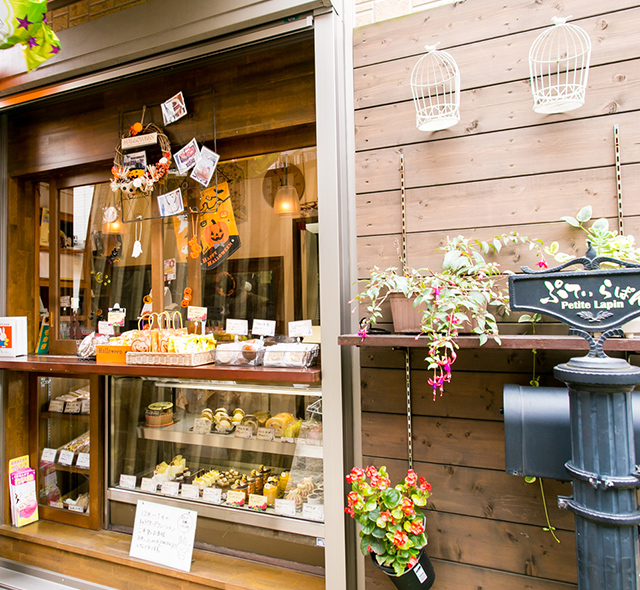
[(425, 486), (407, 507), (353, 498), (371, 471), (400, 539), (349, 511), (412, 477), (412, 561), (417, 528), (357, 474), (386, 516)]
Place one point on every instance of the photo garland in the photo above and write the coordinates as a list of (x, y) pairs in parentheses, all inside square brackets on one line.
[(135, 182)]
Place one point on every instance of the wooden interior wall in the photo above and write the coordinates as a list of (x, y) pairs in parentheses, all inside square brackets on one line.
[(503, 168)]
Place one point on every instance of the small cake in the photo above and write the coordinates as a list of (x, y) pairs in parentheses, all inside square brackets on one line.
[(159, 414)]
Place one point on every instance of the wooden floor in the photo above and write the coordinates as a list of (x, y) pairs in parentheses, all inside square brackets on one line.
[(102, 557)]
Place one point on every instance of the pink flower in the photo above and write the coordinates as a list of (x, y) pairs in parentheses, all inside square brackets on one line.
[(350, 512), (412, 477), (407, 507), (371, 471), (357, 474), (417, 528), (353, 498), (412, 561), (386, 516), (542, 263), (425, 486)]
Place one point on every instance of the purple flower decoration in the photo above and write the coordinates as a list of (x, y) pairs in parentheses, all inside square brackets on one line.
[(55, 49), (33, 43), (24, 22)]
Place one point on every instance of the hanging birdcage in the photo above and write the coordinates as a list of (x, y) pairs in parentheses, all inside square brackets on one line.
[(559, 65), (435, 85)]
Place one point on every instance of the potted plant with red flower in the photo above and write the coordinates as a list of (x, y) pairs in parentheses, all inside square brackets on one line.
[(392, 526)]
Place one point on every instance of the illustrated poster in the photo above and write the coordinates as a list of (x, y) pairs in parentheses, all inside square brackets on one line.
[(218, 230)]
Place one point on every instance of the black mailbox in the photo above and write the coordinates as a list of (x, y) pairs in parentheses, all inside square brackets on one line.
[(537, 430)]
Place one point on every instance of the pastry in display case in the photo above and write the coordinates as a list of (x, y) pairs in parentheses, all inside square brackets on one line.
[(240, 452), (66, 445)]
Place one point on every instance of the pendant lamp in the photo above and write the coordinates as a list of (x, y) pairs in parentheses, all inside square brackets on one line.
[(286, 202)]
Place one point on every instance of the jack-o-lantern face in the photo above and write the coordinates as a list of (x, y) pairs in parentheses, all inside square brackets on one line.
[(216, 232), (135, 173)]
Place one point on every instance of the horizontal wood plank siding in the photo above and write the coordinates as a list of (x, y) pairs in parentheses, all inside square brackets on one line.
[(502, 169)]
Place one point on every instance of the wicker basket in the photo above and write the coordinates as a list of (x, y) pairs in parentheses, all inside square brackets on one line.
[(187, 359)]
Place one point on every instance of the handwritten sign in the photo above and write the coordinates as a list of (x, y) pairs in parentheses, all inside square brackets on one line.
[(83, 461), (147, 484), (164, 535), (170, 488), (86, 406), (76, 508), (195, 313), (49, 455), (73, 407), (65, 458), (244, 431), (266, 433), (128, 481), (258, 502), (313, 511), (237, 327), (235, 498), (56, 405), (263, 328), (300, 329), (593, 301), (201, 426), (190, 491), (212, 495)]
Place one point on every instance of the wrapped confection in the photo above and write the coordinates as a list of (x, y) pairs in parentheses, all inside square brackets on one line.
[(159, 414), (248, 352), (250, 420), (86, 349), (279, 422), (291, 354)]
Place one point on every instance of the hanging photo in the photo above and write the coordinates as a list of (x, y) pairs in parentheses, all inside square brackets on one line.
[(170, 203), (135, 160), (205, 166), (218, 230), (187, 157), (173, 109)]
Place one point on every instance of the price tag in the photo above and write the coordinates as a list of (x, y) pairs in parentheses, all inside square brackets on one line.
[(148, 485), (75, 508), (285, 507), (65, 458), (86, 406), (65, 301), (116, 316), (128, 481), (56, 504), (49, 455), (105, 328), (195, 313), (190, 491), (258, 502), (75, 303), (212, 495), (266, 433), (300, 329), (235, 498), (170, 488), (201, 426), (263, 328), (83, 460), (244, 431), (73, 407), (56, 405), (237, 327), (313, 511)]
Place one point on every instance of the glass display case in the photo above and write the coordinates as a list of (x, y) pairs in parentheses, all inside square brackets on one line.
[(66, 445), (248, 453)]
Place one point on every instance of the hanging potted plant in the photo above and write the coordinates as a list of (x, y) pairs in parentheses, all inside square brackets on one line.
[(459, 297), (392, 526)]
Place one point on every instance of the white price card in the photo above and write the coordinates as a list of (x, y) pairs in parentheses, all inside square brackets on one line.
[(48, 455), (116, 316), (65, 458), (212, 495), (75, 508), (73, 407), (148, 485), (237, 327), (105, 328), (244, 431), (190, 491), (285, 507), (300, 329), (266, 433), (313, 511), (164, 535), (128, 481), (195, 313), (56, 405), (65, 301), (263, 328), (170, 488), (201, 426), (83, 460), (56, 504), (86, 406)]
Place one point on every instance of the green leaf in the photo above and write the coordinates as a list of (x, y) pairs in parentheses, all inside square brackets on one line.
[(529, 479), (364, 545), (525, 317), (368, 527), (571, 221), (584, 214), (374, 515), (379, 533), (600, 225), (553, 248), (370, 505), (391, 497), (378, 545)]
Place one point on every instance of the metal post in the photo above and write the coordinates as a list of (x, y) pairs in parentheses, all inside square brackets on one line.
[(603, 471)]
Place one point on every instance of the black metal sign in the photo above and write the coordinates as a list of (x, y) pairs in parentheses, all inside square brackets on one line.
[(592, 300)]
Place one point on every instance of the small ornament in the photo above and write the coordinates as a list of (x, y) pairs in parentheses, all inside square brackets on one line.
[(137, 246), (186, 297), (195, 247)]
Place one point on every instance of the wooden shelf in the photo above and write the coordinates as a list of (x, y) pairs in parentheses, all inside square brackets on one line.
[(63, 364), (58, 415), (539, 342)]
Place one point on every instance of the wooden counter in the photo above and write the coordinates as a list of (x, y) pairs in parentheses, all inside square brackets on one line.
[(71, 364)]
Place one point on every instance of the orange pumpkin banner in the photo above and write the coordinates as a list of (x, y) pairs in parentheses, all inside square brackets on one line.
[(218, 229)]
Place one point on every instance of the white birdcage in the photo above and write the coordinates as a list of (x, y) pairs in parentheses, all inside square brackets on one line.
[(559, 66), (435, 85)]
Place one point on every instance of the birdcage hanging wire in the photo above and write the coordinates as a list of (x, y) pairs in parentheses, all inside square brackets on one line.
[(559, 66), (435, 85)]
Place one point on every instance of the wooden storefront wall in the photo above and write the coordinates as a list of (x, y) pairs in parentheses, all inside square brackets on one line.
[(503, 168)]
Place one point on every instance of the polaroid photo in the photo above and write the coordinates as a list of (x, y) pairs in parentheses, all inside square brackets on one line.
[(135, 160), (187, 157), (170, 203), (205, 166), (173, 109)]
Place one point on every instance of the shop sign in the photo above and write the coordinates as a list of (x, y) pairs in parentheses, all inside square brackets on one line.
[(594, 301)]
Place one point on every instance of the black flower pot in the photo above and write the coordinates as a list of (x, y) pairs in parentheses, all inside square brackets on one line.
[(420, 577)]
